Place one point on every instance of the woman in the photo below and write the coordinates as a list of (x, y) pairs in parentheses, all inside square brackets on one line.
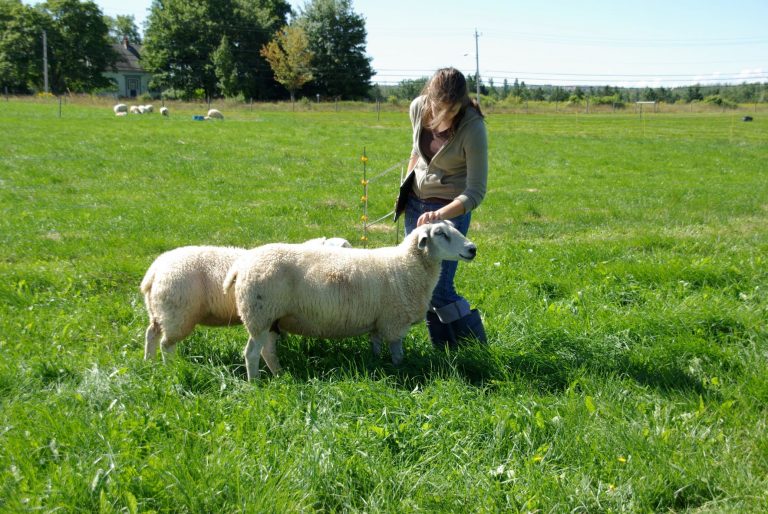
[(449, 170)]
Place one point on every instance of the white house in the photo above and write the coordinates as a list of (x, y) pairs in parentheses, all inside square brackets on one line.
[(131, 79)]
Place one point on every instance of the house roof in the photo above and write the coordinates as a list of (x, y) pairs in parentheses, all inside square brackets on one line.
[(128, 57)]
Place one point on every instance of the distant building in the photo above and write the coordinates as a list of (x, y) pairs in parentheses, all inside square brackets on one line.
[(129, 76)]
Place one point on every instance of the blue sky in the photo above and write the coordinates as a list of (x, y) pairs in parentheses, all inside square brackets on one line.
[(589, 42)]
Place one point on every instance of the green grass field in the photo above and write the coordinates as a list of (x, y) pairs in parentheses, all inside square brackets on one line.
[(622, 273)]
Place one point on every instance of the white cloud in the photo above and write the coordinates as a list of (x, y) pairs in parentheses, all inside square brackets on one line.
[(749, 74)]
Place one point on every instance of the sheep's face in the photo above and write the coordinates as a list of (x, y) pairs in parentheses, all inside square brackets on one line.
[(443, 241)]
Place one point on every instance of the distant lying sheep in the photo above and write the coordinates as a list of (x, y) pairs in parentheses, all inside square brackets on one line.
[(135, 109), (148, 108), (214, 114), (164, 111), (182, 289), (120, 108), (326, 292)]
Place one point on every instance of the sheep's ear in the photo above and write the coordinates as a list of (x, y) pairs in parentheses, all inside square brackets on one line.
[(423, 239)]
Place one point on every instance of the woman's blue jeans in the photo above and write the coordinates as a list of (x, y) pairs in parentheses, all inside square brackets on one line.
[(446, 302)]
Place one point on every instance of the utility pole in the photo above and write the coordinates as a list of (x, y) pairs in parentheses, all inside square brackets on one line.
[(477, 67), (45, 62)]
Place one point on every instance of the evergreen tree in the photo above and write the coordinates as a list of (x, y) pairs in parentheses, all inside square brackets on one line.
[(226, 68), (693, 94), (537, 94), (516, 90), (492, 91)]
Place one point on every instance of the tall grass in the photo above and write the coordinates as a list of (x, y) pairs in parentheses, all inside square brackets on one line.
[(621, 275)]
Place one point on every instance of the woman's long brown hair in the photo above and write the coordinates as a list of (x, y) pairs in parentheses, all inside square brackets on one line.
[(445, 89)]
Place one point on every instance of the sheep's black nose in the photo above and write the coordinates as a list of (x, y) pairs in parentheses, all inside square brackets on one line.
[(472, 250)]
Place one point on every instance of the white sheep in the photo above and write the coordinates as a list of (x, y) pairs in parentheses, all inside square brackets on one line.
[(182, 289), (120, 108), (136, 109), (332, 293), (149, 108), (164, 111), (325, 241), (214, 114)]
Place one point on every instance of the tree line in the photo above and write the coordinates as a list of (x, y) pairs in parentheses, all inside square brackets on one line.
[(254, 49), (725, 95), (206, 48)]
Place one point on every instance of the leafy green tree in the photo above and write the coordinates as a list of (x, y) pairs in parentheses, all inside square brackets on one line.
[(21, 47), (78, 46), (558, 94), (122, 27), (289, 56), (179, 41), (182, 38), (408, 89), (255, 23), (649, 95), (337, 39)]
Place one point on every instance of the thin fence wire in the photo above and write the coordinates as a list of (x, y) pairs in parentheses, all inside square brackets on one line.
[(365, 181)]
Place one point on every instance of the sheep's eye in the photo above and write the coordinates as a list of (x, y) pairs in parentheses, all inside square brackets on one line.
[(445, 235)]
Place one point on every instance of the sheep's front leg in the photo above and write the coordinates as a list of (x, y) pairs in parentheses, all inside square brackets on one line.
[(269, 352), (396, 351), (252, 355), (169, 348)]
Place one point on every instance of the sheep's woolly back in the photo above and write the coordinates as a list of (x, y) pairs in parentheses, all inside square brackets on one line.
[(182, 287), (335, 292)]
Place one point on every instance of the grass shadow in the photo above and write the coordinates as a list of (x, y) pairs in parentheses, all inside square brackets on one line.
[(548, 362)]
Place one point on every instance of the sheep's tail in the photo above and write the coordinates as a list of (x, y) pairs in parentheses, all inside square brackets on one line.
[(146, 288), (149, 278), (230, 279)]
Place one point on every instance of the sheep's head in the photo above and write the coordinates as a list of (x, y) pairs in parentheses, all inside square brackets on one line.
[(444, 242)]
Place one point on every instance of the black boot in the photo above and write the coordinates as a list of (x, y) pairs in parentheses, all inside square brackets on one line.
[(470, 327), (440, 333)]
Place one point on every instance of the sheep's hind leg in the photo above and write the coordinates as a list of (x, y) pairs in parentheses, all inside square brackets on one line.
[(376, 345), (150, 340), (252, 355), (269, 352)]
